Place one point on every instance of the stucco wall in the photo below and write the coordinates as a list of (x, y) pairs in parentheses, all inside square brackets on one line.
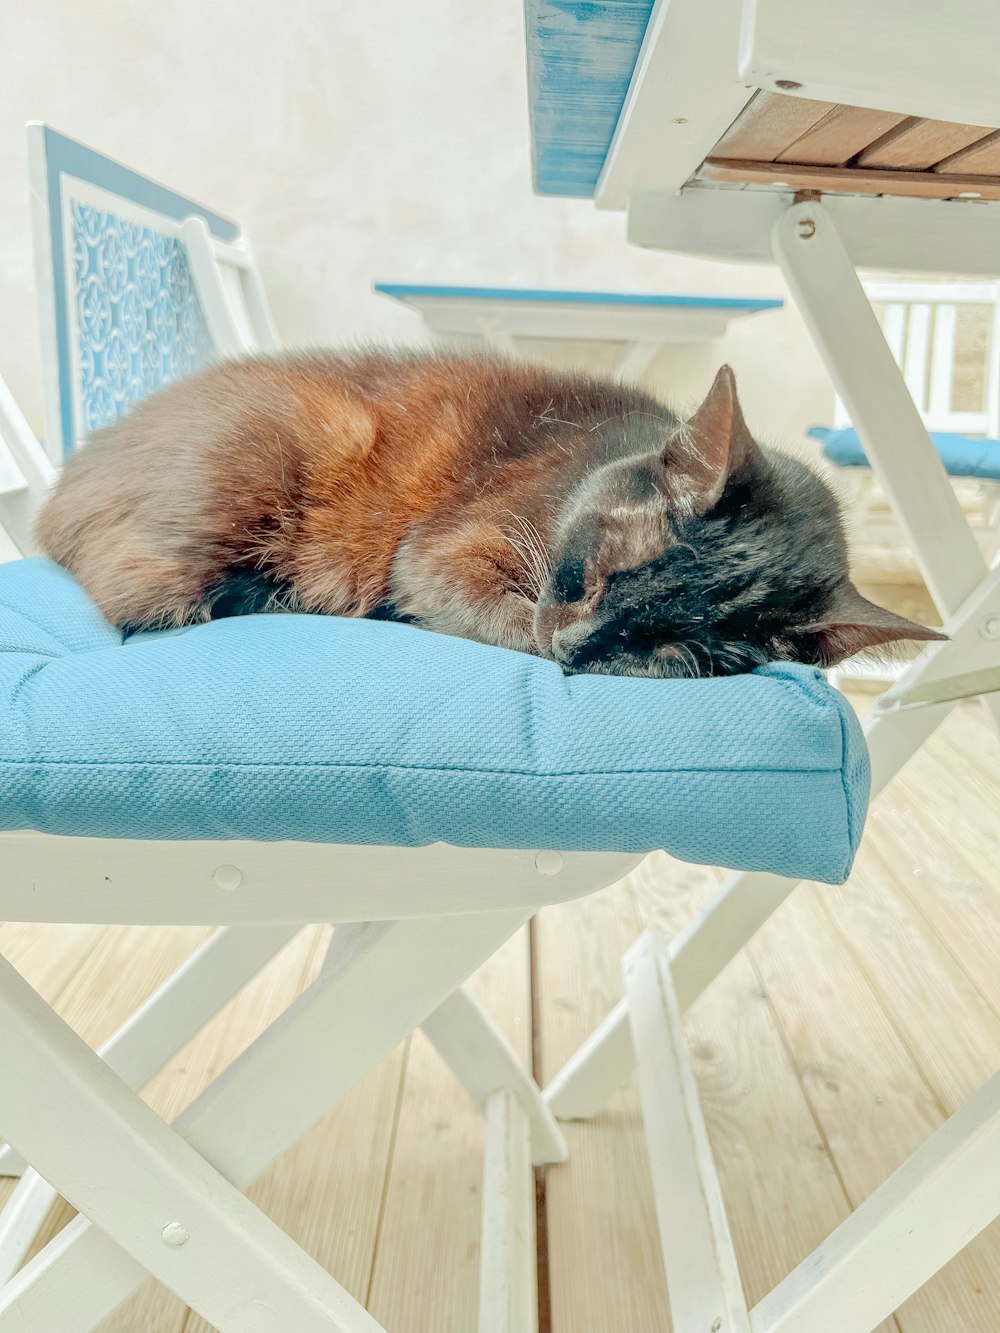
[(354, 141)]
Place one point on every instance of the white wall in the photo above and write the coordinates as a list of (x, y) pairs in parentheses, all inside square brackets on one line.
[(355, 140)]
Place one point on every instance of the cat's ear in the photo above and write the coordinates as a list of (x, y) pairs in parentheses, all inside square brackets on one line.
[(719, 442), (853, 624)]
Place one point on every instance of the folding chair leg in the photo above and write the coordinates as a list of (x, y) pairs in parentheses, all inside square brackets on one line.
[(507, 1287), (868, 380), (699, 1261), (21, 1220), (187, 1000), (168, 1020), (605, 1061), (387, 978), (870, 383), (180, 1219), (928, 1210), (484, 1062), (919, 1219)]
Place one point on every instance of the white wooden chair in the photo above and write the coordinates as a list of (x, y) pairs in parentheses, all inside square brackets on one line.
[(922, 322), (96, 222), (440, 910), (115, 253), (26, 475), (176, 795), (826, 138)]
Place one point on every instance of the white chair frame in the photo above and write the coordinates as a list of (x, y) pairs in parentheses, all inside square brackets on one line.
[(399, 972), (239, 321), (441, 912), (686, 76)]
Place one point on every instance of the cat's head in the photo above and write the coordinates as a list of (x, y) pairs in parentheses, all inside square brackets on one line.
[(706, 555)]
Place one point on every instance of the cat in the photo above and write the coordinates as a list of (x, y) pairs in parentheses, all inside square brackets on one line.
[(548, 512)]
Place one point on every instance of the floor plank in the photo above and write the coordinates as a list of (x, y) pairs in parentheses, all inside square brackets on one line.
[(604, 1262), (426, 1272)]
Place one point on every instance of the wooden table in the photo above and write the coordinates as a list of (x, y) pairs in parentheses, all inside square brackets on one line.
[(641, 322)]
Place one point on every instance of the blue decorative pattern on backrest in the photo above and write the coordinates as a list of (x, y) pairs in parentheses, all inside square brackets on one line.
[(140, 323), (87, 363), (581, 54)]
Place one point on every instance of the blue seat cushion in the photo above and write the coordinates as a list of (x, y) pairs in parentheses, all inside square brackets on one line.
[(317, 728), (961, 455)]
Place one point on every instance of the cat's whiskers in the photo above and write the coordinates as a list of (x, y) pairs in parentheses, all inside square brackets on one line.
[(528, 544), (688, 657), (533, 584), (540, 553)]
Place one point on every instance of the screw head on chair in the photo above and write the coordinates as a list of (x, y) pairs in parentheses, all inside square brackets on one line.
[(548, 863), (228, 877)]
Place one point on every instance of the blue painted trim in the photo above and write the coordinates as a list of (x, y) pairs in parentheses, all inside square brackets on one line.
[(402, 291), (65, 155), (581, 55)]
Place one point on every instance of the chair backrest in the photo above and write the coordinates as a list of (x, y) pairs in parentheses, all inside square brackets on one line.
[(138, 286), (26, 476), (940, 334)]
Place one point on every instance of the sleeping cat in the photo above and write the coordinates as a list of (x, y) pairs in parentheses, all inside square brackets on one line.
[(553, 513)]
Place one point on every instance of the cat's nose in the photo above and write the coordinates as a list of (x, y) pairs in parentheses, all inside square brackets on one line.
[(567, 639)]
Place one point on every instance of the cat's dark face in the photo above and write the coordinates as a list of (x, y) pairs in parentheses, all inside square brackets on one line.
[(709, 556)]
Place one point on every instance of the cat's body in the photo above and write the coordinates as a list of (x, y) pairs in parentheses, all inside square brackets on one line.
[(546, 512)]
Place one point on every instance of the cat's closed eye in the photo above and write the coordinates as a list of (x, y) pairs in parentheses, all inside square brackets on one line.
[(569, 582)]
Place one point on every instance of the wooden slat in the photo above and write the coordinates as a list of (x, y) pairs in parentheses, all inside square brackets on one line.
[(849, 180), (775, 128), (915, 144), (982, 159), (952, 1032), (842, 133), (768, 124), (922, 978)]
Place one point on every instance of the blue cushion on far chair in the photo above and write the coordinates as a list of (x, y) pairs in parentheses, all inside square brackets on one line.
[(353, 731), (961, 455)]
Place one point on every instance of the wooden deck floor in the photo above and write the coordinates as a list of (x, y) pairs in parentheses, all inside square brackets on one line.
[(856, 1021)]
